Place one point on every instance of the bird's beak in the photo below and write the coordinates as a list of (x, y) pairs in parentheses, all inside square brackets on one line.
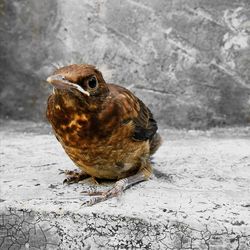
[(59, 82)]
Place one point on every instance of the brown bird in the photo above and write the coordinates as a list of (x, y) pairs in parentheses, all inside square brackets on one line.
[(106, 130)]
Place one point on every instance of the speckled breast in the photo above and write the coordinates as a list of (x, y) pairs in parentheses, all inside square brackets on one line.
[(101, 150)]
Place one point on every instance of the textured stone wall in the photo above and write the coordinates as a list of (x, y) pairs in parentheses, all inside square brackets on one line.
[(188, 60)]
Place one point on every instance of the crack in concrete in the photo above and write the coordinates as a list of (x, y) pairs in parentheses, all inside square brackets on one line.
[(156, 91), (18, 229), (23, 228)]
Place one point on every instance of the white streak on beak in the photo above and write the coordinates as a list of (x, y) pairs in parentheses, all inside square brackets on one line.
[(59, 82), (82, 90), (79, 88)]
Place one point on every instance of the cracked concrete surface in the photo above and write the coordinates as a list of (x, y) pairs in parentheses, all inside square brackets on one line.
[(198, 198)]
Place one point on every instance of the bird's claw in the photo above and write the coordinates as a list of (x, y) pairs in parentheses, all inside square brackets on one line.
[(97, 196), (69, 172), (93, 201), (73, 176), (94, 193), (69, 180), (61, 171)]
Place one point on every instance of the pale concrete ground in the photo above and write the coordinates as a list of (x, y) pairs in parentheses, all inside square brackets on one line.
[(199, 199)]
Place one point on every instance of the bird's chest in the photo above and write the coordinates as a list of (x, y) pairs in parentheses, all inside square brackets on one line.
[(93, 142), (101, 152), (76, 125), (114, 157), (70, 123), (95, 134), (100, 144)]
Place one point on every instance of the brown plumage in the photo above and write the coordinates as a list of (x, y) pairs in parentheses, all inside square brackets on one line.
[(105, 129)]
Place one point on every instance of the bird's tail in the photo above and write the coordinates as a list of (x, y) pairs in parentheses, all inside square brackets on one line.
[(155, 143)]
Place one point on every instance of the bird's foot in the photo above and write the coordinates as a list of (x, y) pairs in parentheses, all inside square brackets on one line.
[(99, 196), (73, 176), (120, 186)]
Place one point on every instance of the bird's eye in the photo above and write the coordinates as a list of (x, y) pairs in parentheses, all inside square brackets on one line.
[(92, 83)]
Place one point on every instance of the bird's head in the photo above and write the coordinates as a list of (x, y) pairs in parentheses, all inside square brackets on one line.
[(81, 80)]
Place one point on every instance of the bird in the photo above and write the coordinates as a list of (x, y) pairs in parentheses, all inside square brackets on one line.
[(108, 132)]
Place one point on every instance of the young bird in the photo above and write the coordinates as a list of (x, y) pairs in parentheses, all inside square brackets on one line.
[(105, 129)]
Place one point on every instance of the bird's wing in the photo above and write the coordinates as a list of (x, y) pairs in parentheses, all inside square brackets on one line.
[(135, 111), (145, 125)]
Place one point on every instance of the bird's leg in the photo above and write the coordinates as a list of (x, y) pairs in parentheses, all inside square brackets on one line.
[(142, 175), (74, 176)]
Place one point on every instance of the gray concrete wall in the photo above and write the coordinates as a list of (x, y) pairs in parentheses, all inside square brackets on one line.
[(188, 60)]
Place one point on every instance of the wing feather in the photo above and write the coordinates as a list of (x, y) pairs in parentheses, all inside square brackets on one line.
[(135, 110), (145, 124)]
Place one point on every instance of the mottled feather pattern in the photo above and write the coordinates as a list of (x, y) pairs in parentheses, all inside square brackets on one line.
[(106, 134)]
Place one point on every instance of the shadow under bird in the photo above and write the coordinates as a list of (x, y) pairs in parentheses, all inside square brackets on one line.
[(105, 129)]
